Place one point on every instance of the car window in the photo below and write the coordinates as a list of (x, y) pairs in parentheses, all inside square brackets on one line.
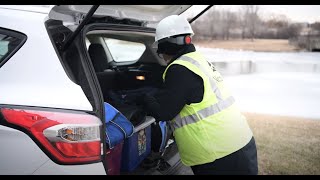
[(3, 46), (122, 51), (9, 42)]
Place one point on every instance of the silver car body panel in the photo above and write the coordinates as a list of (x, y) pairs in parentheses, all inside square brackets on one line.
[(34, 76), (36, 79)]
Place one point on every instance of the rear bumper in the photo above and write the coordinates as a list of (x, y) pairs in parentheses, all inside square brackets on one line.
[(55, 169)]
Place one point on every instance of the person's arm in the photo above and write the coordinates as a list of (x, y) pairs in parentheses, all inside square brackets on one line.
[(181, 87)]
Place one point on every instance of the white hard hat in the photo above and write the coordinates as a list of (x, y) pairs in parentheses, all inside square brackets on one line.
[(171, 26)]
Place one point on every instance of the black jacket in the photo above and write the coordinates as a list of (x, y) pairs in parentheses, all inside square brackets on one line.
[(181, 87)]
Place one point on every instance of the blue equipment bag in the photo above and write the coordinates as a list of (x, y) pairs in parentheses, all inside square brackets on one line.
[(118, 127)]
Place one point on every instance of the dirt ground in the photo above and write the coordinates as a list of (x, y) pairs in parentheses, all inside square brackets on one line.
[(286, 145), (265, 45)]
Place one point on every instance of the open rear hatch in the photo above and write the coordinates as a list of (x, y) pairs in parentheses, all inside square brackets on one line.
[(148, 14), (145, 15)]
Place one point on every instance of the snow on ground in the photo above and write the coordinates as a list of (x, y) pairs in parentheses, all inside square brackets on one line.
[(233, 55), (286, 83), (291, 94)]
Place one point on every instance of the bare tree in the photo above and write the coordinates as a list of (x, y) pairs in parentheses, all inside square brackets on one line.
[(215, 23), (243, 14), (213, 18), (229, 20), (205, 26), (252, 18), (197, 32), (294, 30), (280, 24), (316, 26)]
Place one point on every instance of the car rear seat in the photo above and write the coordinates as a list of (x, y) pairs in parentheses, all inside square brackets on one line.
[(107, 79), (105, 75), (98, 57)]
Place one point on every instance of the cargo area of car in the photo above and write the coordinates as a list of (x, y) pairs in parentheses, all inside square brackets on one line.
[(120, 82)]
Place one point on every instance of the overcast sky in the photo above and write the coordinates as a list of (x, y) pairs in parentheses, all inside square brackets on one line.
[(299, 13)]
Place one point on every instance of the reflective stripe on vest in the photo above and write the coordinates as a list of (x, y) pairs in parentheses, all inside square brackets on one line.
[(209, 111), (204, 113)]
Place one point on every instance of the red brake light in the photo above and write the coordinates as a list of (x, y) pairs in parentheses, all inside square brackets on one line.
[(70, 137)]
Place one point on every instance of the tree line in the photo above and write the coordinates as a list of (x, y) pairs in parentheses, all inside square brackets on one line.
[(246, 24)]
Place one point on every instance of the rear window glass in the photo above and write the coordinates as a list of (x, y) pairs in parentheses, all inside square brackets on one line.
[(123, 51), (9, 42), (3, 46)]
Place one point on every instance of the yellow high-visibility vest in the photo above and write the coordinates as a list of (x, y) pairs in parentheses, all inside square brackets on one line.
[(214, 127)]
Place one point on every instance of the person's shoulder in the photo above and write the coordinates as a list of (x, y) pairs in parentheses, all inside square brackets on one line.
[(181, 73), (177, 69)]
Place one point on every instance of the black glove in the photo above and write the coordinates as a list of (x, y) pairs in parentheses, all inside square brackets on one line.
[(151, 106), (139, 100), (135, 114)]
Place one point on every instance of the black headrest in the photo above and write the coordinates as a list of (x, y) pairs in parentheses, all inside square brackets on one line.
[(98, 57)]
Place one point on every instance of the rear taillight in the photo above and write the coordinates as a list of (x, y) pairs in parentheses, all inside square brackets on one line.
[(71, 138)]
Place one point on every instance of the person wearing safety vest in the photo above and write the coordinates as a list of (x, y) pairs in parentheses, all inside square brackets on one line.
[(211, 134)]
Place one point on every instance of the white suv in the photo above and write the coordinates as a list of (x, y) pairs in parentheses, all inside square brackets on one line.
[(58, 65)]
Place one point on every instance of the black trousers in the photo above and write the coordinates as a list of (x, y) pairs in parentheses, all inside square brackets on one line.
[(241, 162)]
